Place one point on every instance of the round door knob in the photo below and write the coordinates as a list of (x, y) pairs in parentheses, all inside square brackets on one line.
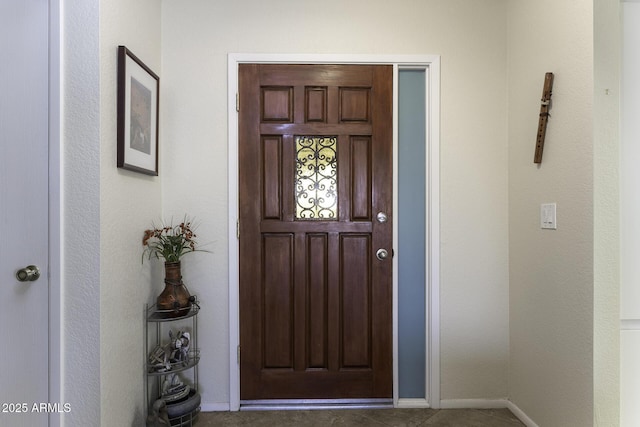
[(382, 217), (382, 254), (30, 273)]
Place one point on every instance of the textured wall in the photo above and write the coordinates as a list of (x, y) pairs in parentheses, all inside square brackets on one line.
[(551, 271), (80, 216), (487, 182), (469, 35)]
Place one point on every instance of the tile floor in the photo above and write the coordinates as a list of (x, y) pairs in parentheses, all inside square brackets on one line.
[(363, 417)]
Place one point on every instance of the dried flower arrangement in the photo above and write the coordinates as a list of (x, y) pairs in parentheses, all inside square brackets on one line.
[(169, 242)]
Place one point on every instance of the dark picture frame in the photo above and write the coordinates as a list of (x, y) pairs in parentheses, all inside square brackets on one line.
[(138, 119)]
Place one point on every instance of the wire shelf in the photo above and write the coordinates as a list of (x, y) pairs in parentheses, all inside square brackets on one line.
[(185, 420), (157, 324), (194, 358), (155, 315)]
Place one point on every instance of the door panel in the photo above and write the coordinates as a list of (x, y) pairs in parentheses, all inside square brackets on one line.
[(23, 210), (355, 296), (277, 300), (315, 163)]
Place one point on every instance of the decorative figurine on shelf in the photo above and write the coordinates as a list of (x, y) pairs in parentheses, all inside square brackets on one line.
[(159, 360), (173, 389), (174, 354), (180, 351), (158, 416)]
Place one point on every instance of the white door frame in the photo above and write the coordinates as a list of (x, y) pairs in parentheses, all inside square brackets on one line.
[(431, 63)]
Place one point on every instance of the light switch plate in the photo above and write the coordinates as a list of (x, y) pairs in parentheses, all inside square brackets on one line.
[(548, 216)]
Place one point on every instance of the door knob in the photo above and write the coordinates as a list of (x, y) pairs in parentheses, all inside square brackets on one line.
[(382, 254), (30, 273), (382, 217)]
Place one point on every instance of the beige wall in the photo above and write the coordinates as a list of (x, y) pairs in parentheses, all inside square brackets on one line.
[(606, 217), (551, 271), (469, 35), (532, 342), (129, 202)]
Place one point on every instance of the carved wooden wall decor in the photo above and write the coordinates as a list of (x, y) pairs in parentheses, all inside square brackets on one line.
[(544, 116)]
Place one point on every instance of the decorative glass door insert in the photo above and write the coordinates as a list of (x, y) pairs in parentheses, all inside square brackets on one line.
[(316, 184)]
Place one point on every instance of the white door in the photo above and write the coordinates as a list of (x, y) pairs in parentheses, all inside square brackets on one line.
[(24, 314)]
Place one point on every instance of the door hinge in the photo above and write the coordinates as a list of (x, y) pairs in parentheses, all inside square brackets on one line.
[(238, 355), (238, 228), (237, 102)]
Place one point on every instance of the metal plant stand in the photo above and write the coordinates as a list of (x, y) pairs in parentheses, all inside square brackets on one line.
[(171, 365)]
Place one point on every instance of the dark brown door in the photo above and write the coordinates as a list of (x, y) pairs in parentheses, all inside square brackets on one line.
[(315, 170)]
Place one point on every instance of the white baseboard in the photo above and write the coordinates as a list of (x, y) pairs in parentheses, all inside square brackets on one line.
[(473, 403), (521, 415), (488, 404), (215, 407), (413, 403)]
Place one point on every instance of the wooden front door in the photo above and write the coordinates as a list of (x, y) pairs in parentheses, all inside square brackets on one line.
[(315, 161)]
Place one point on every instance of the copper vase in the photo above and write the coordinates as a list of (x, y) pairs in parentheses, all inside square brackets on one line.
[(175, 299)]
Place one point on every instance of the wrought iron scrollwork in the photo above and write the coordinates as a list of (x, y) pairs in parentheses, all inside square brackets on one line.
[(316, 182)]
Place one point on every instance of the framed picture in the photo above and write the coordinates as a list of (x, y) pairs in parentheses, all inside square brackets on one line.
[(138, 90)]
